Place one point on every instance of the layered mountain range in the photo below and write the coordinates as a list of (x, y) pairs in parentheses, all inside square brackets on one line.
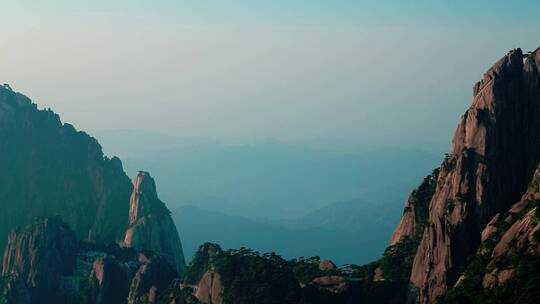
[(470, 233)]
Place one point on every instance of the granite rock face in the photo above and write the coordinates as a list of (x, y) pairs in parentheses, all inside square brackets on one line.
[(151, 226), (153, 277), (39, 255), (108, 281), (505, 268), (513, 235), (49, 168), (45, 263), (416, 210), (210, 288), (495, 151)]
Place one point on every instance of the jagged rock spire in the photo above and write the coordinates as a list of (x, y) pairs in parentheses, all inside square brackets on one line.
[(151, 226), (144, 199)]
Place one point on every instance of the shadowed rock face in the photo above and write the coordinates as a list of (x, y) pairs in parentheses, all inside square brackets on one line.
[(505, 267), (49, 168), (39, 255), (495, 151), (108, 281), (153, 276), (151, 226), (13, 290), (514, 234), (45, 263)]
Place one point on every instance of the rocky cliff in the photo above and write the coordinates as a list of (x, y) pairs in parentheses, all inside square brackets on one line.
[(210, 288), (108, 282), (49, 168), (416, 212), (45, 263), (495, 151), (39, 255), (506, 265), (153, 277), (151, 225)]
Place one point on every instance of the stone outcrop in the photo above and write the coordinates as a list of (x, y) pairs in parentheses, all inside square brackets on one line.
[(108, 281), (505, 267), (49, 168), (325, 265), (45, 263), (512, 235), (153, 276), (495, 151), (334, 284), (151, 226), (210, 288), (39, 255), (416, 210), (387, 279)]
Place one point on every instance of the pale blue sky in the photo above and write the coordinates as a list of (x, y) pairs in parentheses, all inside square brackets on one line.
[(380, 72), (278, 11)]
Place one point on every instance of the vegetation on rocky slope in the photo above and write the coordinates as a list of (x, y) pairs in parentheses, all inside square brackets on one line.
[(509, 247), (248, 276), (49, 168)]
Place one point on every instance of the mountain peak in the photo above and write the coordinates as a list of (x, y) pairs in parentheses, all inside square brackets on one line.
[(495, 151), (148, 218), (144, 199)]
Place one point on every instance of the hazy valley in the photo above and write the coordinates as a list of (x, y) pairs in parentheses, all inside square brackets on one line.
[(294, 199)]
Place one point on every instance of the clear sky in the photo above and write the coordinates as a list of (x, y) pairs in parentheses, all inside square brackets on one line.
[(381, 72)]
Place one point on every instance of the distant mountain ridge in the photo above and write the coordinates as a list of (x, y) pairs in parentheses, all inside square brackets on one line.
[(341, 242), (349, 215), (268, 179)]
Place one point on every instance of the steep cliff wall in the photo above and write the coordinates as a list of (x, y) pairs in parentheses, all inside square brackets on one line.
[(44, 263), (49, 168), (506, 265), (39, 255), (495, 151)]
